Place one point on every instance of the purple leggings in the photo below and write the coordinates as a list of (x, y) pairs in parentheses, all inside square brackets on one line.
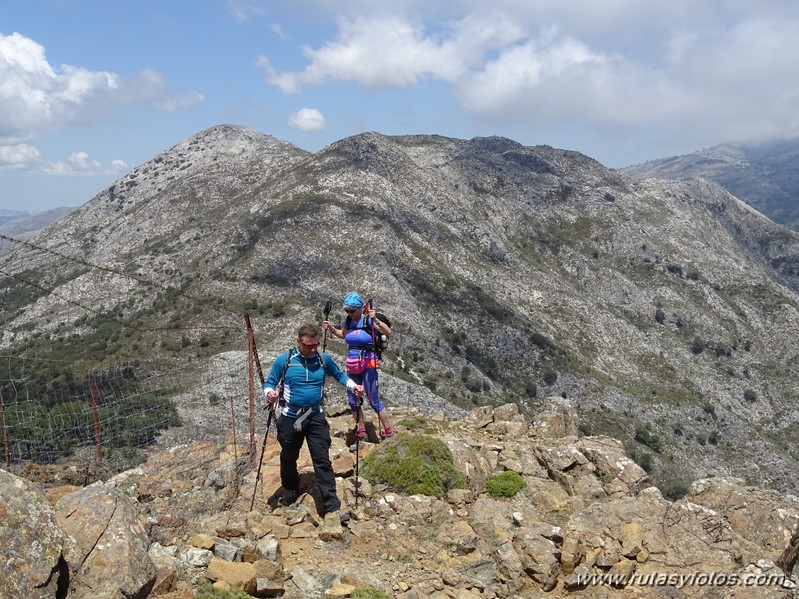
[(368, 378)]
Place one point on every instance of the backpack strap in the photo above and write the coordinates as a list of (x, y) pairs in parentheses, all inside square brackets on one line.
[(302, 412), (282, 382)]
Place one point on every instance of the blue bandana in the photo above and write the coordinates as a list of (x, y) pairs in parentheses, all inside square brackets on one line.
[(354, 300)]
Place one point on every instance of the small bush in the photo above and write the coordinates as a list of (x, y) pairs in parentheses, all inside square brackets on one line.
[(674, 269), (368, 593), (645, 461), (722, 351), (673, 490), (418, 424), (208, 591), (644, 437), (414, 464), (504, 484)]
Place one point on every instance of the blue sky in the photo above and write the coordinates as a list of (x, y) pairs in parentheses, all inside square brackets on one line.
[(89, 89)]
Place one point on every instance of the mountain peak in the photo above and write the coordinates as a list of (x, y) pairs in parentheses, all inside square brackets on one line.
[(665, 309)]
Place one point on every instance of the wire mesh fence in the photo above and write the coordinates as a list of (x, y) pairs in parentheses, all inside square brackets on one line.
[(118, 364), (112, 419)]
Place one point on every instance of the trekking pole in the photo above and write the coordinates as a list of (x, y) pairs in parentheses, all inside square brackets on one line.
[(268, 420), (263, 450), (370, 306), (328, 307), (357, 448)]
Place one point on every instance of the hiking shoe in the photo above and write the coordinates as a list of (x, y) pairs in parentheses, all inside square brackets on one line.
[(387, 432), (344, 517), (361, 434), (289, 498)]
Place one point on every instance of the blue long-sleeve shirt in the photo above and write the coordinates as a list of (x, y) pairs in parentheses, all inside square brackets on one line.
[(304, 382)]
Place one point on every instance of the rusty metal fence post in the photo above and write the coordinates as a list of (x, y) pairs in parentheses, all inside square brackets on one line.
[(251, 384), (5, 431), (98, 441)]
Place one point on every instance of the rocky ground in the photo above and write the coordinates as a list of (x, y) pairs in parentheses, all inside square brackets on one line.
[(588, 523)]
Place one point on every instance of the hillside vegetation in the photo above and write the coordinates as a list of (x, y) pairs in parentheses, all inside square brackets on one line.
[(665, 311)]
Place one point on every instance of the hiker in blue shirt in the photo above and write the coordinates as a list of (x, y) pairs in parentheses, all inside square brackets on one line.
[(359, 330), (301, 416)]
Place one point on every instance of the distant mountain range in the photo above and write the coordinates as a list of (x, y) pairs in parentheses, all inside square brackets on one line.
[(22, 225), (765, 176), (666, 311)]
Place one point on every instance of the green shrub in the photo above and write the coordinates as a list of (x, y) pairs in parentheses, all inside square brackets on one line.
[(368, 593), (644, 437), (504, 484), (645, 461), (674, 269), (415, 465), (208, 591), (418, 424), (673, 489)]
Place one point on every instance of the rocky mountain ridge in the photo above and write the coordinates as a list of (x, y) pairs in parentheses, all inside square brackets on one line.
[(665, 311), (588, 523), (24, 225), (765, 176)]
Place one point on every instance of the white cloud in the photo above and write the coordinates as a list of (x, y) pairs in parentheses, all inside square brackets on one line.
[(179, 102), (81, 164), (385, 52), (244, 10), (307, 119), (18, 154), (36, 98), (726, 83), (724, 73), (277, 29)]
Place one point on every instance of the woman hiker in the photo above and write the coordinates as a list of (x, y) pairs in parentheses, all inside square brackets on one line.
[(360, 330)]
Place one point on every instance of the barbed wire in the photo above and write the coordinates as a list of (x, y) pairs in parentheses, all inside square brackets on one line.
[(109, 419), (113, 419), (135, 278)]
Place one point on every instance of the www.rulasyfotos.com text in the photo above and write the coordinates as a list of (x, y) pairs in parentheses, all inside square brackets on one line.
[(681, 579)]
